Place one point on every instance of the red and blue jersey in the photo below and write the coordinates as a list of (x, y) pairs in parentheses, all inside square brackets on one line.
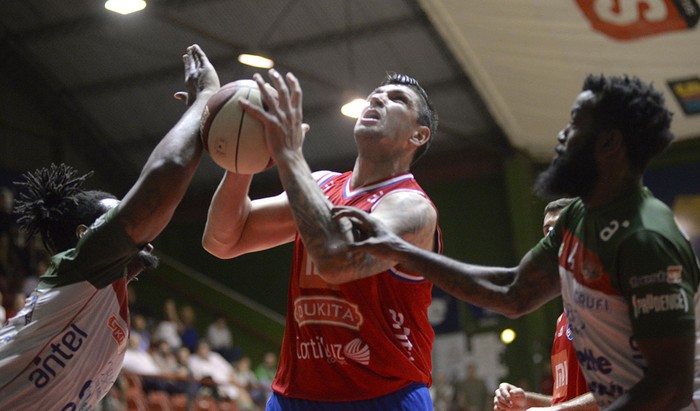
[(362, 339)]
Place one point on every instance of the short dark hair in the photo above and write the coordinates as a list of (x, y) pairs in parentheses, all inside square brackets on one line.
[(52, 203), (558, 204), (637, 110), (427, 116)]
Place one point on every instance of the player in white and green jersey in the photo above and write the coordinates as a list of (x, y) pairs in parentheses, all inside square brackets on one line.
[(64, 349), (627, 275)]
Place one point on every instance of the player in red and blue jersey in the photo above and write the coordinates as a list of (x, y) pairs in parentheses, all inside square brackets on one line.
[(357, 335)]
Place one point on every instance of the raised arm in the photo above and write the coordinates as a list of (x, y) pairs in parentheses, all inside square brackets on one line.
[(237, 225), (509, 291), (327, 240), (150, 203)]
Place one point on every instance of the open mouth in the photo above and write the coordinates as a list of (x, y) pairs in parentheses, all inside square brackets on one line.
[(370, 115)]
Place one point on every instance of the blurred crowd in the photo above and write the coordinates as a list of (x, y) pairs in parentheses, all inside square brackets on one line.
[(22, 261), (166, 355)]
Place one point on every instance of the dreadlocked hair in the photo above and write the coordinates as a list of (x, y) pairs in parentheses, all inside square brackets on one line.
[(52, 203)]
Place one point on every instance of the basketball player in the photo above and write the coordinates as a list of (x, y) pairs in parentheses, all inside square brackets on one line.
[(357, 335), (64, 349), (627, 275), (570, 389)]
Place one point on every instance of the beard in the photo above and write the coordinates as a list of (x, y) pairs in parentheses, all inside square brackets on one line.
[(142, 261), (572, 174)]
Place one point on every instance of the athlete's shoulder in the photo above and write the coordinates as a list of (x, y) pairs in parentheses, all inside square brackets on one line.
[(322, 176)]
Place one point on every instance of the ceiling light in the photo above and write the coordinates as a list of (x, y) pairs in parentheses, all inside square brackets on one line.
[(255, 60), (354, 108), (125, 6)]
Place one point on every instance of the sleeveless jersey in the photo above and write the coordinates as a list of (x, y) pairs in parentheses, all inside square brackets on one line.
[(569, 381), (627, 272), (64, 349), (361, 339)]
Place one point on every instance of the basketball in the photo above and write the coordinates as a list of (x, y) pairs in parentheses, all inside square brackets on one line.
[(234, 140)]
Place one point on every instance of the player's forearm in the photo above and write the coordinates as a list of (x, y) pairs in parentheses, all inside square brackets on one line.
[(495, 288), (585, 402), (534, 399), (164, 179), (325, 239), (227, 215)]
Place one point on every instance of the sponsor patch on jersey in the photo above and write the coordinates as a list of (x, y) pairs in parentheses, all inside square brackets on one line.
[(327, 310), (317, 348), (652, 303), (358, 351), (118, 332), (674, 274), (591, 302), (401, 332), (588, 360)]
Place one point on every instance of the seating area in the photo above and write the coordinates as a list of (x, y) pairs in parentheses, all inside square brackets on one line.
[(137, 398)]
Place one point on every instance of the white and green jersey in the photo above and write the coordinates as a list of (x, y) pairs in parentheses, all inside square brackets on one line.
[(64, 349), (627, 273)]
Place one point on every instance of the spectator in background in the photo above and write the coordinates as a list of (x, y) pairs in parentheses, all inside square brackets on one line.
[(176, 376), (471, 393), (16, 304), (442, 391), (168, 327), (266, 370), (139, 327), (248, 380), (41, 264), (208, 365), (187, 329), (220, 338), (138, 361)]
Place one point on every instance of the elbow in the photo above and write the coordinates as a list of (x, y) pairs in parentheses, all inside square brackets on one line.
[(217, 248), (515, 307), (333, 274), (335, 270)]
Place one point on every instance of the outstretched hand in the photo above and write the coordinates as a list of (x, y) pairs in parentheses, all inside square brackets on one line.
[(370, 234), (200, 75), (283, 116)]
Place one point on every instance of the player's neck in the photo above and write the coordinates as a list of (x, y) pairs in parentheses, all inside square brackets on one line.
[(368, 171), (610, 188)]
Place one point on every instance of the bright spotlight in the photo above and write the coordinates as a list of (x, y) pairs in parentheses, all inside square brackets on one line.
[(125, 6), (354, 108), (508, 336), (255, 60)]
